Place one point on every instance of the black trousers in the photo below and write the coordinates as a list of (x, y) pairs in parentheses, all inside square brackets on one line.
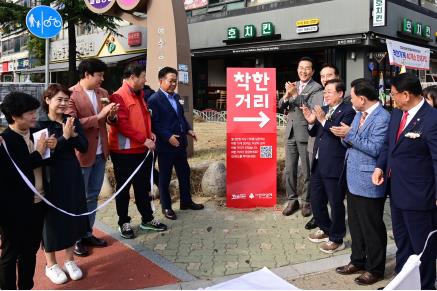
[(410, 230), (323, 191), (124, 165), (166, 161), (368, 233), (19, 247)]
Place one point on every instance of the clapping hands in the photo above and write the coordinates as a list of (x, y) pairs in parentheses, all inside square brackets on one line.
[(68, 128)]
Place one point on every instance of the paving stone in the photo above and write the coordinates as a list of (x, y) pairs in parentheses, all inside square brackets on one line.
[(193, 266)]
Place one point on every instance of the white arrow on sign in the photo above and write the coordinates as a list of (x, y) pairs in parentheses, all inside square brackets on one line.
[(263, 119)]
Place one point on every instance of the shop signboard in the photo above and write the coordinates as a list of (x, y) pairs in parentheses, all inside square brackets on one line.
[(415, 29), (410, 56), (249, 31), (307, 25), (195, 4), (134, 38), (251, 137), (379, 12)]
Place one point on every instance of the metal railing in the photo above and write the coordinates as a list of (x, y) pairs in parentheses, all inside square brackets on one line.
[(210, 115)]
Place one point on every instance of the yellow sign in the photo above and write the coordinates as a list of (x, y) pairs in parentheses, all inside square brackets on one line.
[(307, 22), (111, 47)]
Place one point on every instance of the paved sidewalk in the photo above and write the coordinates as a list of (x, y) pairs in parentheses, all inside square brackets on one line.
[(219, 241)]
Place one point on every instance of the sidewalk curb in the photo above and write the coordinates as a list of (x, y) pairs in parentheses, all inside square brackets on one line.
[(155, 258), (287, 272)]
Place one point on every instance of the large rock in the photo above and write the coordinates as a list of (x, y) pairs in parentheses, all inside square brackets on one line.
[(214, 180), (174, 190), (281, 180)]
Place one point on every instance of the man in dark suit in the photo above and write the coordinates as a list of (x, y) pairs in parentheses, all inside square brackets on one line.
[(328, 160), (171, 129), (409, 161), (296, 135), (327, 72)]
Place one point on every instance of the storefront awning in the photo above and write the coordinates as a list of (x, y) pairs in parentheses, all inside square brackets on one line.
[(59, 67), (281, 45)]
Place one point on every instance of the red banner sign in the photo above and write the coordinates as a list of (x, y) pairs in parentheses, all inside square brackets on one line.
[(251, 137), (134, 38)]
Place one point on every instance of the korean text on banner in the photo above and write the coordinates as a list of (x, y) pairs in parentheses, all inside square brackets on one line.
[(410, 56), (251, 137)]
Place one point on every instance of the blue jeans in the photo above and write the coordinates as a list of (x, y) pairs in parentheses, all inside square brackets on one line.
[(93, 178)]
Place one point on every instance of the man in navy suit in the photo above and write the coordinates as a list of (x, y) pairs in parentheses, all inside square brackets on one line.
[(171, 129), (408, 161), (328, 158), (365, 201)]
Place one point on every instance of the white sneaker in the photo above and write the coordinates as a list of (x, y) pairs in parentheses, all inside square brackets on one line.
[(73, 270), (56, 275)]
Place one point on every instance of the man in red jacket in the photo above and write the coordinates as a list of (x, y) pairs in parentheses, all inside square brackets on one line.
[(129, 141)]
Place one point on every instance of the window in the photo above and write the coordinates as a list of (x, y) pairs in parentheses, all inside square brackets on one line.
[(430, 5)]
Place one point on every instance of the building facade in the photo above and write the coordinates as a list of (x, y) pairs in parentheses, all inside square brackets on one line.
[(278, 33)]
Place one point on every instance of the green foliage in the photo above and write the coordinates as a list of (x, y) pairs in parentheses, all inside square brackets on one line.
[(36, 47)]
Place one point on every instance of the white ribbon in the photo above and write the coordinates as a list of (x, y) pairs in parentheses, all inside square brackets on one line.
[(32, 187), (426, 242)]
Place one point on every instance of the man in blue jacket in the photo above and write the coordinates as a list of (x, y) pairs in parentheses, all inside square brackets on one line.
[(171, 129), (408, 161), (365, 203)]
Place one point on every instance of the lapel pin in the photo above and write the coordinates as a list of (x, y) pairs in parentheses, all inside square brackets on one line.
[(418, 119)]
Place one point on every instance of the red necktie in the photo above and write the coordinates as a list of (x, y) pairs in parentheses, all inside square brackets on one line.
[(402, 125)]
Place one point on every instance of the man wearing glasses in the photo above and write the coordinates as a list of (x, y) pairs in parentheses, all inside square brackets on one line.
[(171, 129), (408, 161)]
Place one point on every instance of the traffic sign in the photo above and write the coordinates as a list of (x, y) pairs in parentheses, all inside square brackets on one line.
[(44, 21)]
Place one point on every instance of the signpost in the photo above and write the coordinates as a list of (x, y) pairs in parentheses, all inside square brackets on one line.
[(251, 137), (44, 22)]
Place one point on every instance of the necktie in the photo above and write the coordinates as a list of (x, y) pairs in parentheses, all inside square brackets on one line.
[(301, 87), (330, 112), (402, 125), (363, 118)]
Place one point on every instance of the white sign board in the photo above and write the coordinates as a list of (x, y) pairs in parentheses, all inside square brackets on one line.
[(410, 56), (307, 29), (379, 12)]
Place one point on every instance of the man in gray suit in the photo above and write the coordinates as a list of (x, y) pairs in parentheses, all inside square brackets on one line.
[(296, 134), (327, 72)]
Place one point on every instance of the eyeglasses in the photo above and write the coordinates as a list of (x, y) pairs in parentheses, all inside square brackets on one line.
[(329, 92), (393, 94), (172, 81)]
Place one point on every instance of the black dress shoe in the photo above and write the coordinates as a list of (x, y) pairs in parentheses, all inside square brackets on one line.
[(311, 224), (291, 208), (93, 241), (192, 206), (367, 278), (169, 213), (80, 249), (348, 269)]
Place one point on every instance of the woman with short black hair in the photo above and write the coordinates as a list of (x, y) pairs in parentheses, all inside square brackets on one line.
[(21, 212)]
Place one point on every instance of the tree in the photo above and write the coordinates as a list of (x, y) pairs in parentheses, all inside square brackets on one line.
[(73, 12)]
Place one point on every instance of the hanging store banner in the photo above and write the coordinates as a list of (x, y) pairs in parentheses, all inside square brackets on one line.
[(251, 137), (410, 56)]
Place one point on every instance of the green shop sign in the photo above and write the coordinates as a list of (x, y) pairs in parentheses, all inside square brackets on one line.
[(416, 29), (249, 31)]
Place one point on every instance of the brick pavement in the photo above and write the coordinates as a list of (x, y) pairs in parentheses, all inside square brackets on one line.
[(219, 241)]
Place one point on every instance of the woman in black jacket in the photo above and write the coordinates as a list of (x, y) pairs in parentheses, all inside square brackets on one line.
[(21, 212), (66, 188)]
